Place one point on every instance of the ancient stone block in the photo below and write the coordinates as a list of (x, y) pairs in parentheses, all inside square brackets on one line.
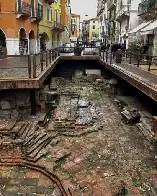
[(5, 105), (93, 72), (154, 125), (14, 114)]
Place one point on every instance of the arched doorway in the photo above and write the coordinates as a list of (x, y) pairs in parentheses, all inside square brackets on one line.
[(23, 42), (32, 43), (43, 41), (3, 49)]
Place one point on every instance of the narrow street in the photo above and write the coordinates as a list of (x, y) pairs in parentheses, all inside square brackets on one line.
[(91, 150)]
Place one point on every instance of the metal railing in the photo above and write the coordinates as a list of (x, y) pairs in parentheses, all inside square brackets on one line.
[(124, 10), (147, 6), (58, 26), (144, 61), (111, 4), (36, 13), (27, 66), (23, 8)]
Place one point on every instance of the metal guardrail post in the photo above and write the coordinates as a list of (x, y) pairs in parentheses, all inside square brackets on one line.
[(29, 66), (50, 56), (53, 55), (58, 51), (111, 58), (106, 55), (46, 59), (138, 60), (150, 62), (41, 61), (34, 66), (130, 58)]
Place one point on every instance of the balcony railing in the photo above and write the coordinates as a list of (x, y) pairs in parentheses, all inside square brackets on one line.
[(23, 9), (111, 4), (100, 8), (123, 11), (36, 14), (147, 6), (58, 26)]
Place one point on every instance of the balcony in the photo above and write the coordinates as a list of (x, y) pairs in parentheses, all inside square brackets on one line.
[(100, 8), (147, 8), (49, 1), (36, 14), (111, 4), (58, 26), (23, 9), (123, 13)]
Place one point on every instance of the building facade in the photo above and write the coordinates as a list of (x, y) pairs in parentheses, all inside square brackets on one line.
[(127, 19), (93, 29), (19, 26), (75, 27), (58, 27), (111, 8), (66, 20), (102, 17), (85, 31), (45, 26), (147, 30)]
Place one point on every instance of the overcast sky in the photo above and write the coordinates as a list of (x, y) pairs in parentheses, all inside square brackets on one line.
[(84, 7)]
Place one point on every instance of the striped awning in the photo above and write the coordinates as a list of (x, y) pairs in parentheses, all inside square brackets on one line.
[(139, 28), (149, 29)]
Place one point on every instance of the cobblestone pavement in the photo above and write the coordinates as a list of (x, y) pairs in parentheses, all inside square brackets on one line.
[(92, 151)]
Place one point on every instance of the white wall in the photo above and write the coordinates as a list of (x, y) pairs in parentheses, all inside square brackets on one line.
[(12, 46)]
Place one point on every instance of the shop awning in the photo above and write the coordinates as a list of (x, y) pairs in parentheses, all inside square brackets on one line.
[(139, 27), (149, 29)]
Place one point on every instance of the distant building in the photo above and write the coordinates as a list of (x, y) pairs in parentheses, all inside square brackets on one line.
[(102, 17), (85, 31), (66, 19), (75, 27), (90, 31), (93, 29), (127, 18)]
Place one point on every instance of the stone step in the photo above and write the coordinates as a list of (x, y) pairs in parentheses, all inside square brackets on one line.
[(39, 137), (33, 152), (42, 119), (23, 131)]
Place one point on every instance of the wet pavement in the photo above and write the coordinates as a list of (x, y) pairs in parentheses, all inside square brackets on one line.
[(92, 151)]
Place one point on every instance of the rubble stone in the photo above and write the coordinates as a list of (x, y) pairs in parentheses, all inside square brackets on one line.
[(5, 105), (14, 114)]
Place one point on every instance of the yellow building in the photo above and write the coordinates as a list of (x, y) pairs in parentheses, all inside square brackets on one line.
[(93, 28), (45, 25), (58, 26)]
